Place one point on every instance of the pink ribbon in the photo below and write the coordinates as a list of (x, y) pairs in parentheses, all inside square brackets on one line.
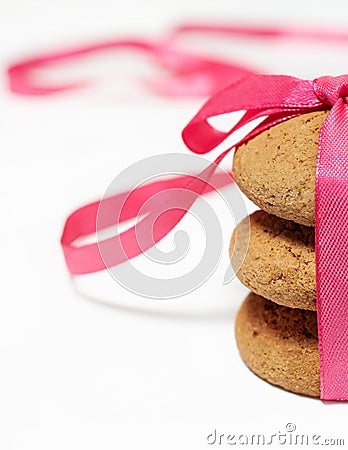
[(265, 32), (331, 238), (161, 217), (190, 74), (272, 99)]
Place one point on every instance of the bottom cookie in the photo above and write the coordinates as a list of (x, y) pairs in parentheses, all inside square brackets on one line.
[(279, 344)]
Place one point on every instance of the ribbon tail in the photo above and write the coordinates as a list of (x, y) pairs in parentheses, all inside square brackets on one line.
[(331, 248), (161, 215)]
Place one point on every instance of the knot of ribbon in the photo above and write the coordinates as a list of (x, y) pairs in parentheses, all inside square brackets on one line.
[(330, 89)]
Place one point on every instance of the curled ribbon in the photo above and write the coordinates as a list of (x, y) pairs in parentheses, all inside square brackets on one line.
[(269, 98), (160, 218), (190, 74)]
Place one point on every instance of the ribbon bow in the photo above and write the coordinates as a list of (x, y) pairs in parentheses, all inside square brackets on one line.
[(278, 98)]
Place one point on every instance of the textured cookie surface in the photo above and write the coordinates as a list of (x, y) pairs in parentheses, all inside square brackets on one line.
[(276, 169), (279, 344), (279, 262)]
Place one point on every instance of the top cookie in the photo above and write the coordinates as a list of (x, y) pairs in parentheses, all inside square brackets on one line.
[(276, 169)]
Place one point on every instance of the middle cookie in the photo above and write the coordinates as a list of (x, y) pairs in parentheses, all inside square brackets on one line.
[(280, 260)]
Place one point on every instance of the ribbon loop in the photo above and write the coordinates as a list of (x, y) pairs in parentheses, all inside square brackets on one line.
[(279, 97)]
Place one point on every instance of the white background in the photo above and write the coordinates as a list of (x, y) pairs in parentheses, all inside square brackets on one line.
[(84, 363)]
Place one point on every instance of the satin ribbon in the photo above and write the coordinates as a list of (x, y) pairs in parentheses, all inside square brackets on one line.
[(160, 217), (271, 99), (265, 32), (189, 73), (281, 98)]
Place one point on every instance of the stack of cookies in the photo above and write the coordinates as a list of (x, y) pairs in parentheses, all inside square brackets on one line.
[(276, 326)]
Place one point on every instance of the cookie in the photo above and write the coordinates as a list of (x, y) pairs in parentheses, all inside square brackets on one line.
[(279, 262), (279, 344), (276, 169)]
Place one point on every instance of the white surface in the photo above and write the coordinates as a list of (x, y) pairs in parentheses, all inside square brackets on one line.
[(75, 371)]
